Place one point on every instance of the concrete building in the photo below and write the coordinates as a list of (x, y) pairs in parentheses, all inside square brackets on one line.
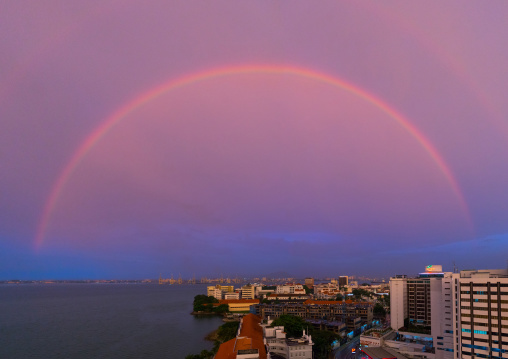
[(239, 305), (326, 291), (277, 343), (309, 282), (343, 281), (482, 318), (418, 301), (231, 295), (467, 312), (248, 292), (398, 301), (291, 298), (290, 288), (217, 291), (351, 314)]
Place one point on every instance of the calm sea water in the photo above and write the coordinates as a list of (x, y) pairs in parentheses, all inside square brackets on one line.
[(101, 321)]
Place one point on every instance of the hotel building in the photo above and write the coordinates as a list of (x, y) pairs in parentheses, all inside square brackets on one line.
[(467, 312)]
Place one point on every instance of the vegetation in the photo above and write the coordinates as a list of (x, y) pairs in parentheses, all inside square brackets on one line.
[(411, 328), (379, 310), (339, 297), (225, 332), (203, 303), (294, 326), (269, 287), (323, 341), (359, 293), (307, 290), (384, 300)]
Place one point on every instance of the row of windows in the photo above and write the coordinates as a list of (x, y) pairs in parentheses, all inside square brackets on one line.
[(484, 348), (494, 301), (483, 285), (493, 317), (484, 340), (483, 292), (474, 331), (467, 307), (484, 324), (482, 355)]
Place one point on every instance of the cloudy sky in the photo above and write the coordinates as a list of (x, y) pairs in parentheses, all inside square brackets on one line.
[(249, 137)]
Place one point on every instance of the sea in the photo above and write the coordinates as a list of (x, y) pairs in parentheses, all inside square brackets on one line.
[(84, 321)]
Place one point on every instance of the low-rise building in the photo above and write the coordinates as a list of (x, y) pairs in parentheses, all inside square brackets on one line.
[(217, 291), (249, 342), (350, 313), (232, 295), (290, 288), (291, 298), (239, 305), (277, 343), (248, 292)]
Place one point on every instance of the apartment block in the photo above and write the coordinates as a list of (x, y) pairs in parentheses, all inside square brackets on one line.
[(483, 314), (467, 312)]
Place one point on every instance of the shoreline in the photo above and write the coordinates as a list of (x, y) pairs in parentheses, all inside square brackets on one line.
[(212, 336)]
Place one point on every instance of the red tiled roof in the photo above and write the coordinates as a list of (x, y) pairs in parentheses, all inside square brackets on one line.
[(251, 336)]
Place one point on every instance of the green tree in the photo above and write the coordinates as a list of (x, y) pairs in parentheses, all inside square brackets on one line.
[(359, 293), (227, 331), (221, 309), (203, 303), (323, 341), (293, 326), (339, 297), (379, 310)]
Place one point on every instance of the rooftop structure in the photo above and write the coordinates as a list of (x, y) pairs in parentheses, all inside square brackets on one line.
[(248, 344)]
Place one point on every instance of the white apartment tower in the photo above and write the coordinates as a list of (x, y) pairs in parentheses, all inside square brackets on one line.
[(482, 310), (398, 301), (468, 312)]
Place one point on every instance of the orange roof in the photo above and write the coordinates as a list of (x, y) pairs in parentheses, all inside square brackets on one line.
[(238, 301), (322, 302), (251, 336), (226, 350)]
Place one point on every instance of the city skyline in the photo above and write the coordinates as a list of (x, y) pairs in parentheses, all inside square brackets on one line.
[(250, 138)]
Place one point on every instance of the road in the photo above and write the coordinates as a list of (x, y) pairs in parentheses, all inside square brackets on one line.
[(344, 352)]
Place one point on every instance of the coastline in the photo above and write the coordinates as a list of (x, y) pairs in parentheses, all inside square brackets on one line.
[(213, 335)]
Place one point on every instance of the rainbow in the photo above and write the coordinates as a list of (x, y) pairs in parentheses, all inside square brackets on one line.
[(283, 70)]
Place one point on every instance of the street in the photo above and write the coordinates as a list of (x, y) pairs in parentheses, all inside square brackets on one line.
[(345, 352)]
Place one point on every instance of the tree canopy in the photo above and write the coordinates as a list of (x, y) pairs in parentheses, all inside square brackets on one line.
[(203, 303)]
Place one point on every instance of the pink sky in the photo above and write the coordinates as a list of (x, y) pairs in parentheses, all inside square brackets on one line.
[(284, 168)]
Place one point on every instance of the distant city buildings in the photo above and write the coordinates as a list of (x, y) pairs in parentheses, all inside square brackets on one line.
[(309, 282)]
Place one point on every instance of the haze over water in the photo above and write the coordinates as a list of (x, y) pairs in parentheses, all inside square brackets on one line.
[(83, 321)]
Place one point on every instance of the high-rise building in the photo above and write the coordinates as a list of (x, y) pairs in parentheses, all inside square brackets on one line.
[(482, 314), (467, 312), (398, 301), (343, 280)]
